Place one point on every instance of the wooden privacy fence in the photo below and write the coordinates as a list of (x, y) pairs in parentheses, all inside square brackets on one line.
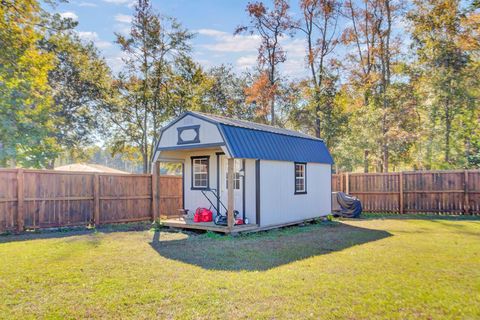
[(32, 199), (43, 198), (442, 192)]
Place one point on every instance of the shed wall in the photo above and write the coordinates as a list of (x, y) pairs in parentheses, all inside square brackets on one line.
[(279, 203)]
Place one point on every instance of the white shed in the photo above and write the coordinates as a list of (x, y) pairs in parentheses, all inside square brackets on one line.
[(280, 177)]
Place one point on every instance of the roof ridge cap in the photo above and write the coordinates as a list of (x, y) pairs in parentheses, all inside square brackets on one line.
[(294, 133), (306, 136)]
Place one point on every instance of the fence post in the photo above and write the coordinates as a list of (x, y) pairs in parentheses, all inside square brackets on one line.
[(466, 201), (400, 186), (155, 180), (347, 183), (20, 200), (96, 199)]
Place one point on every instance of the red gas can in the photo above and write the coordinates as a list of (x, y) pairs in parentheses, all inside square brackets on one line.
[(197, 217), (203, 215), (207, 215)]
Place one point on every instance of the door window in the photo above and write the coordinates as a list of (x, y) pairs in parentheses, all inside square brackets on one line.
[(236, 174)]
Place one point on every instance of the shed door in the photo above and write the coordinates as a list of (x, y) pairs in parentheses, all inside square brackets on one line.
[(237, 184)]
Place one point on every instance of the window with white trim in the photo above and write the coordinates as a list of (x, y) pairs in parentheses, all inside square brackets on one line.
[(200, 173), (300, 178)]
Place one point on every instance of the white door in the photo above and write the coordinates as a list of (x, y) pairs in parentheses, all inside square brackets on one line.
[(237, 184)]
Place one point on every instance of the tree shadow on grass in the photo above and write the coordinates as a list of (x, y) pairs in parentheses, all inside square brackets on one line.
[(264, 250), (469, 226), (470, 229)]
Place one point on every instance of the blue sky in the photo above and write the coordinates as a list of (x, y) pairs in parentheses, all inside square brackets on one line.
[(212, 20)]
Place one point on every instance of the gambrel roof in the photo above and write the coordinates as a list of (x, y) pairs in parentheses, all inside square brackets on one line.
[(249, 140)]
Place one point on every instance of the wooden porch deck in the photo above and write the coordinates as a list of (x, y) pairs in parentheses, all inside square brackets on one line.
[(183, 223)]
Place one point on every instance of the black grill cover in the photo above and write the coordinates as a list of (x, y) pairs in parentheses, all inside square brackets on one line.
[(351, 206)]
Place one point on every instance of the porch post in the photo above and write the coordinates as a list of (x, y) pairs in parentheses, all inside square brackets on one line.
[(230, 205)]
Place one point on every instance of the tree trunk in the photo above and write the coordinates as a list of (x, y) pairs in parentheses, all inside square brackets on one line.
[(272, 109), (386, 85), (272, 87), (365, 161), (448, 129), (448, 126), (145, 161), (318, 123), (385, 157), (51, 164), (467, 151), (3, 159)]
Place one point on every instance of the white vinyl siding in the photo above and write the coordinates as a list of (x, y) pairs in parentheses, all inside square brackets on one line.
[(278, 202)]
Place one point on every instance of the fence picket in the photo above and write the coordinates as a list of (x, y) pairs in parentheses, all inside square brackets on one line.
[(20, 200), (440, 192)]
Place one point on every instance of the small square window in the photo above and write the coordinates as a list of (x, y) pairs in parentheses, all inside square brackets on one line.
[(200, 170), (300, 178)]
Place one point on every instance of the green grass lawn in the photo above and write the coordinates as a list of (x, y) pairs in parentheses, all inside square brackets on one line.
[(373, 268)]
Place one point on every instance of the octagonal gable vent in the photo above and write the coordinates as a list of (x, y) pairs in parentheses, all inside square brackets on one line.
[(189, 134)]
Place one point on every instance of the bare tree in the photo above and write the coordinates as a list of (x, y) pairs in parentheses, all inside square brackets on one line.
[(319, 24), (271, 26), (376, 49), (151, 47)]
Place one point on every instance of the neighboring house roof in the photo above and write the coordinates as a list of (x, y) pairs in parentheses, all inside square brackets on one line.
[(84, 167), (245, 139)]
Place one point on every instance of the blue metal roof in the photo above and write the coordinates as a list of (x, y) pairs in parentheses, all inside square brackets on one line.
[(256, 144)]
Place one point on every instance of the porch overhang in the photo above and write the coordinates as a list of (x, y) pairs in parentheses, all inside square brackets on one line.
[(170, 154)]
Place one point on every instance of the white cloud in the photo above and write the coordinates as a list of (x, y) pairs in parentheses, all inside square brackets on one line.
[(294, 47), (123, 18), (122, 28), (87, 4), (206, 63), (88, 35), (295, 51), (93, 36), (294, 66), (227, 42), (243, 51), (101, 44), (116, 61), (211, 32), (121, 2), (69, 15), (123, 25), (246, 61)]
